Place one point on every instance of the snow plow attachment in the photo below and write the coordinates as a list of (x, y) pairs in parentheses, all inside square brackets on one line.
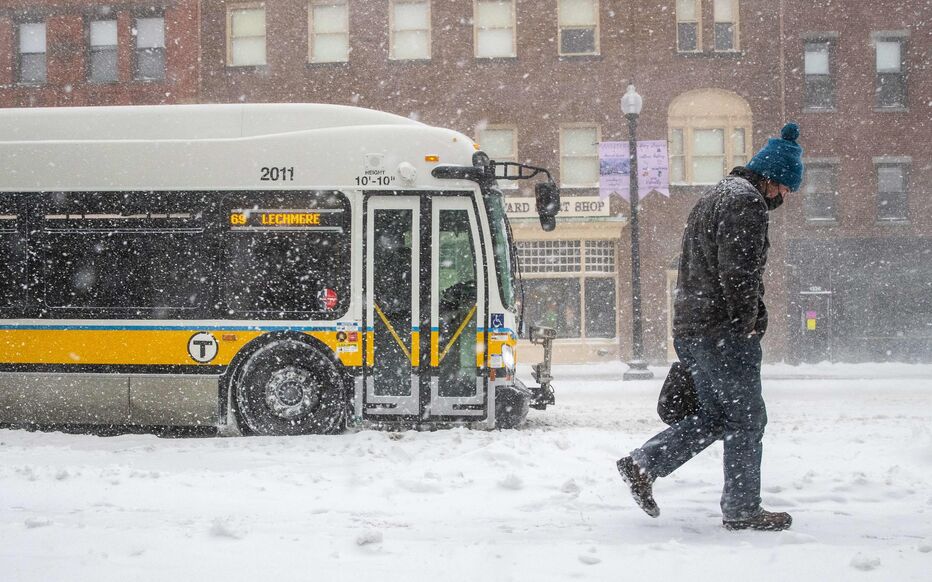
[(542, 395)]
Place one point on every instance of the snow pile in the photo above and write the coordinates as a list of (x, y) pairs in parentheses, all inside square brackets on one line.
[(848, 452)]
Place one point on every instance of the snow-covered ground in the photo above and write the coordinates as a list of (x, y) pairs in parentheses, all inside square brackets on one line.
[(848, 452)]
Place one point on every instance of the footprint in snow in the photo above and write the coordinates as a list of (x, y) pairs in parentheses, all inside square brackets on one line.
[(33, 522), (220, 529), (512, 482), (368, 538), (864, 563), (589, 559)]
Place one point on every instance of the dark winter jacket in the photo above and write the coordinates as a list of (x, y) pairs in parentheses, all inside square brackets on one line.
[(720, 288)]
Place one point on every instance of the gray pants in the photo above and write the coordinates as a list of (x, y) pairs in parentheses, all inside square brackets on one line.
[(726, 371)]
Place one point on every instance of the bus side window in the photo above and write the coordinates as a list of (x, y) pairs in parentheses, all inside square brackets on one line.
[(13, 265)]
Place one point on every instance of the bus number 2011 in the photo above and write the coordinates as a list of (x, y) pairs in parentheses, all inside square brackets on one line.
[(282, 174)]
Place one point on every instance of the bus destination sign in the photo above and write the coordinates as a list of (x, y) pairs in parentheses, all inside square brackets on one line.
[(328, 219)]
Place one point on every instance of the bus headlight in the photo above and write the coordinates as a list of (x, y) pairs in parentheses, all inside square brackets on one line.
[(508, 357)]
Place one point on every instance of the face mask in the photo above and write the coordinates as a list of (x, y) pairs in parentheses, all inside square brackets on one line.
[(775, 202)]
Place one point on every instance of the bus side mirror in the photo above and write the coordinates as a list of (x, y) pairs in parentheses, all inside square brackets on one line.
[(548, 204)]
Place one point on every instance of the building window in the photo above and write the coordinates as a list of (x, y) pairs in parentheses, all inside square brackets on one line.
[(31, 66), (891, 78), (150, 49), (102, 65), (494, 29), (410, 26), (579, 27), (726, 25), (570, 286), (550, 256), (579, 156), (246, 35), (501, 144), (709, 133), (820, 192), (329, 26), (688, 26), (892, 190), (820, 87)]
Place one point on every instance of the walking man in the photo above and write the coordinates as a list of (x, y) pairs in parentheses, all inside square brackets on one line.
[(719, 319)]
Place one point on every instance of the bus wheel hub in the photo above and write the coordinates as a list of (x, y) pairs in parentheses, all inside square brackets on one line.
[(291, 393)]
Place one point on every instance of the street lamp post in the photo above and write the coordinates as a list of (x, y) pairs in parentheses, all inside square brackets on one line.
[(631, 104)]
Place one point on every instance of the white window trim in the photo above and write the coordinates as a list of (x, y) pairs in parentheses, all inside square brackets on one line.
[(18, 52), (906, 163), (502, 126), (832, 163), (736, 11), (581, 274), (137, 49), (310, 29), (514, 32), (231, 8), (95, 48), (598, 139), (503, 184), (391, 30), (729, 154), (697, 21), (597, 25)]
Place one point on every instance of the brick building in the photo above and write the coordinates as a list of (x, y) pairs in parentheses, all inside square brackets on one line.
[(74, 52), (540, 81)]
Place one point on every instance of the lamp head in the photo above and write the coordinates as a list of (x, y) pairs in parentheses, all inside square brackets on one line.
[(631, 102)]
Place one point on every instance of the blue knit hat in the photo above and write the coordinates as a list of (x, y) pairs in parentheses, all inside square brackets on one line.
[(781, 159)]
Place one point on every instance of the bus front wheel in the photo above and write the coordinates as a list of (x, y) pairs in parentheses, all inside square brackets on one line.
[(288, 388)]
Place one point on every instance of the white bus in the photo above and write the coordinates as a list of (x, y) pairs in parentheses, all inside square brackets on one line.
[(286, 269)]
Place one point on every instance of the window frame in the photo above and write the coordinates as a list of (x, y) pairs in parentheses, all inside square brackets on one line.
[(583, 271), (728, 154), (596, 31), (902, 162), (91, 50), (736, 32), (504, 184), (137, 50), (513, 27), (242, 7), (392, 30), (828, 79), (708, 108), (311, 34), (901, 38), (563, 157), (18, 60), (697, 23), (830, 164)]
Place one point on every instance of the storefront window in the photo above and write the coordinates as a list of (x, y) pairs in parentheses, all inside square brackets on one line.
[(570, 286)]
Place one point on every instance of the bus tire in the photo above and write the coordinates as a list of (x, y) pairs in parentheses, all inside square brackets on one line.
[(289, 387)]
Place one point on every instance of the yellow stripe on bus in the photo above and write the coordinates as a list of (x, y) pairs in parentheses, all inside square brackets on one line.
[(137, 347)]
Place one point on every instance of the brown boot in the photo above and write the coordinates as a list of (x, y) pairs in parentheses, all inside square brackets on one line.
[(763, 521), (641, 485)]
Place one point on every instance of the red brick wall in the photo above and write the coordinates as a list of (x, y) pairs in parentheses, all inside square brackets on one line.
[(67, 49)]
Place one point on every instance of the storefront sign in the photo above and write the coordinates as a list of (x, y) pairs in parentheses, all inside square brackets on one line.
[(570, 206)]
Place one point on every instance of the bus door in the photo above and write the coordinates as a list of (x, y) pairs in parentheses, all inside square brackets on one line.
[(393, 251), (457, 312)]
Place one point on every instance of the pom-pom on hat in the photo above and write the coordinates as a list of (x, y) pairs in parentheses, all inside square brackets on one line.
[(781, 159)]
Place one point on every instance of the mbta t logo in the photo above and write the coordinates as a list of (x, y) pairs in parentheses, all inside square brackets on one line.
[(327, 299), (202, 347)]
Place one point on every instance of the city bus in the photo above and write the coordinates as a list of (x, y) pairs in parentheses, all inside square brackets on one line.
[(279, 269)]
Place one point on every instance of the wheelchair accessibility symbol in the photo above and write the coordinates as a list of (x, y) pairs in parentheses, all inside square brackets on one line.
[(498, 320)]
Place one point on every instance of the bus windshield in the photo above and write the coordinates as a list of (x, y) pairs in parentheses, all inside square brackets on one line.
[(504, 267)]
